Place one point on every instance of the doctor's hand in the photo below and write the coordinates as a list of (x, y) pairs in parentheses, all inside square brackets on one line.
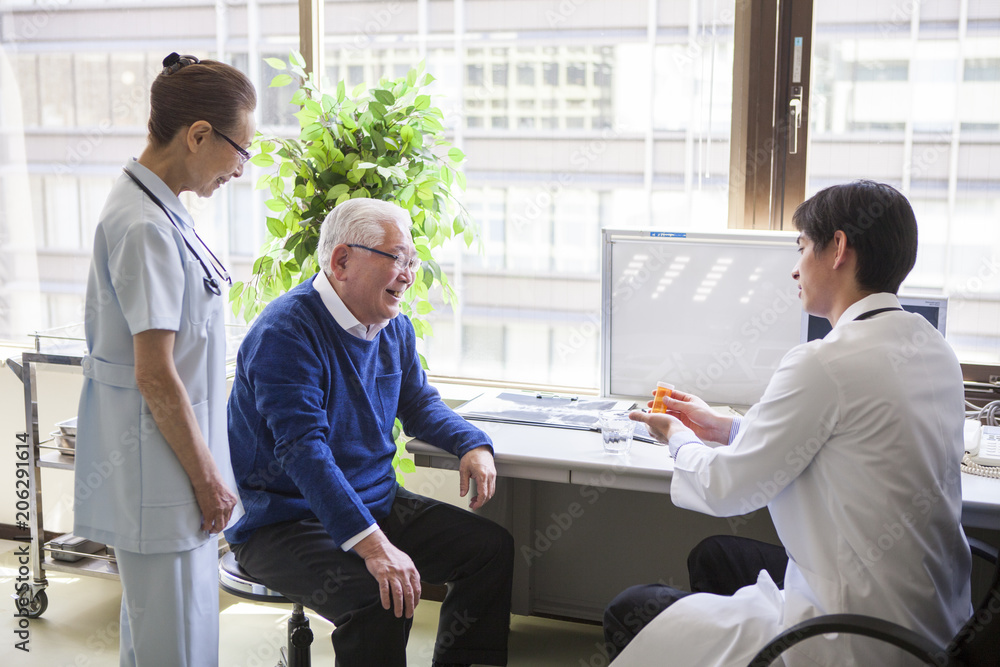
[(397, 576), (660, 426), (478, 465), (216, 503), (696, 415)]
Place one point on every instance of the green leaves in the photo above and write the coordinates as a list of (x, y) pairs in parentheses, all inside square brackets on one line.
[(262, 160), (385, 141), (384, 96)]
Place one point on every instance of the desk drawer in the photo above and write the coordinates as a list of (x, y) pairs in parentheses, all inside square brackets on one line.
[(607, 478)]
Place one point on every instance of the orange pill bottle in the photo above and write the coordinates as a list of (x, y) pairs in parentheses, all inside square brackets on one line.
[(663, 390)]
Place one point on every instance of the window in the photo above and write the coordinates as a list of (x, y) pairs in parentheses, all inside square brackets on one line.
[(901, 106), (620, 126), (355, 75), (981, 69), (473, 75), (550, 74), (500, 75), (80, 107), (602, 75), (881, 70), (526, 74)]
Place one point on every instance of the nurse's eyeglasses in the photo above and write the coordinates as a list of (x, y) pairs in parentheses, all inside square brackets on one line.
[(402, 261), (242, 152)]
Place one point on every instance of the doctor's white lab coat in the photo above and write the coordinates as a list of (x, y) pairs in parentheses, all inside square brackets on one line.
[(855, 449)]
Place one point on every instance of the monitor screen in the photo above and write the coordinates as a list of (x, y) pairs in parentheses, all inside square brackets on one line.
[(933, 308), (711, 313)]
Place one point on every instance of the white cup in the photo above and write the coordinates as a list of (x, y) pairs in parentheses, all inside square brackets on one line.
[(617, 430)]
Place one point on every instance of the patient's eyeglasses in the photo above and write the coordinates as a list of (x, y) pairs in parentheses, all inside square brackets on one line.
[(402, 261)]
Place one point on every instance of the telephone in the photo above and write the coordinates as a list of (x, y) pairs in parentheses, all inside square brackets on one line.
[(982, 444)]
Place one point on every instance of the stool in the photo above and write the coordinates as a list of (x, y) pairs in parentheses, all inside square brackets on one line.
[(234, 580)]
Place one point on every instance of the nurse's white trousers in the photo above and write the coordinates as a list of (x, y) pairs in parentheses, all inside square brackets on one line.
[(170, 608)]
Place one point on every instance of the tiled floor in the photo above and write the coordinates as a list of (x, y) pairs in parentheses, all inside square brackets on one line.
[(80, 629)]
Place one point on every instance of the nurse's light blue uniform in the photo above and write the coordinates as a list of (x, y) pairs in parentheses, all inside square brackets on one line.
[(130, 489)]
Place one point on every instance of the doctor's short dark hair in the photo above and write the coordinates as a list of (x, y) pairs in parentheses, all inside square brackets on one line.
[(878, 222), (189, 90)]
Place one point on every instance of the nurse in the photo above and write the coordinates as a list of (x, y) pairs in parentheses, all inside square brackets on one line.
[(153, 476)]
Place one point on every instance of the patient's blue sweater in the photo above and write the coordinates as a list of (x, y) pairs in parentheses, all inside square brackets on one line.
[(311, 415)]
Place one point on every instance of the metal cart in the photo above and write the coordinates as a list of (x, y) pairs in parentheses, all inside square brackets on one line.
[(33, 453)]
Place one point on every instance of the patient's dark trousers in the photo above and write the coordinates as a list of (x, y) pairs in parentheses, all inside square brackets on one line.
[(447, 544)]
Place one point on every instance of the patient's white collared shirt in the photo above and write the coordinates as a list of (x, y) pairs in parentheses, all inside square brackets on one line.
[(346, 319)]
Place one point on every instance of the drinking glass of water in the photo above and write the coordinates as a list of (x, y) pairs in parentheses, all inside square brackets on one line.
[(617, 430)]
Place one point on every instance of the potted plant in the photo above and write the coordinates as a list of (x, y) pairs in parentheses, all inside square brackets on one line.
[(384, 142)]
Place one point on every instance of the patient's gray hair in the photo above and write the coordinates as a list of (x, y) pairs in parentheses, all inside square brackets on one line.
[(357, 221)]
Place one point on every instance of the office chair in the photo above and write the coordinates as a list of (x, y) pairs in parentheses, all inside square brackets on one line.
[(977, 644), (234, 580)]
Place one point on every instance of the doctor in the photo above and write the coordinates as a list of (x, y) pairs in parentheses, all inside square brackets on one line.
[(854, 448), (153, 476)]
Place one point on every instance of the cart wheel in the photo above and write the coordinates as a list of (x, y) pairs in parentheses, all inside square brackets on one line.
[(37, 606)]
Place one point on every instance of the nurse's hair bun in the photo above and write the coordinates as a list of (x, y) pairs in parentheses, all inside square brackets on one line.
[(174, 62), (214, 92)]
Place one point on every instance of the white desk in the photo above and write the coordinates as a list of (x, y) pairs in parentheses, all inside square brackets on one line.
[(980, 502), (570, 456), (624, 531), (577, 457)]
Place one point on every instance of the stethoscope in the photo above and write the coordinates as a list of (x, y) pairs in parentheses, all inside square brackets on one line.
[(211, 284), (873, 313)]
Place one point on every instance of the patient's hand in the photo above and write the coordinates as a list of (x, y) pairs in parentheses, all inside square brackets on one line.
[(397, 576), (477, 464)]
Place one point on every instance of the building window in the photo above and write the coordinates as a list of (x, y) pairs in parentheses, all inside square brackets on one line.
[(981, 69), (550, 74), (882, 70), (500, 75), (602, 75), (526, 74), (473, 75)]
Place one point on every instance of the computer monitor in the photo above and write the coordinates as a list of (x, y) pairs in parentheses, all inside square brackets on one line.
[(933, 308), (711, 313)]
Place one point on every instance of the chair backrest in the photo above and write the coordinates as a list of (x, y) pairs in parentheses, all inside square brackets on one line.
[(977, 644)]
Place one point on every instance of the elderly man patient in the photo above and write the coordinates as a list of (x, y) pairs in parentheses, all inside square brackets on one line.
[(320, 378)]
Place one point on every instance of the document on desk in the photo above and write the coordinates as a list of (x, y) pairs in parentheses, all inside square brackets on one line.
[(545, 409)]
